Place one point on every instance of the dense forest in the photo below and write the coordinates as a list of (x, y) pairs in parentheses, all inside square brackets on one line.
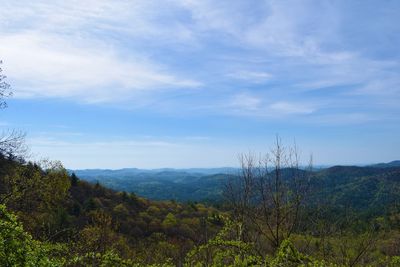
[(52, 218), (273, 211), (207, 185)]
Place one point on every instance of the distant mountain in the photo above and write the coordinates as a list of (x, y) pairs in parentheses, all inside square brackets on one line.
[(392, 164), (365, 189), (136, 171), (162, 184), (374, 186)]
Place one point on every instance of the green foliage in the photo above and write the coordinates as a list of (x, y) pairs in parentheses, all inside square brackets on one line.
[(220, 251), (395, 261), (169, 221), (224, 251), (288, 255), (17, 248), (107, 259), (74, 180), (70, 222), (121, 211)]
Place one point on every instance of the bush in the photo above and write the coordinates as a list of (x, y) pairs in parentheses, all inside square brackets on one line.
[(17, 248)]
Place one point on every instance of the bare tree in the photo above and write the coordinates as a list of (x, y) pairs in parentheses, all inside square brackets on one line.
[(4, 89), (239, 192), (12, 142), (267, 196)]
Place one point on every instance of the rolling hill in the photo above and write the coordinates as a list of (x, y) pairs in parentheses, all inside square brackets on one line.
[(373, 187)]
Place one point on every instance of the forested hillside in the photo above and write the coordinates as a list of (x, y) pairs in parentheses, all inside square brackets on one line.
[(57, 208), (77, 223), (370, 190), (162, 185)]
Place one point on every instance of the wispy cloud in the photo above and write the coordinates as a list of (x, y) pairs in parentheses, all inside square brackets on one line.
[(291, 108), (245, 102), (251, 76), (287, 55), (42, 65), (337, 119), (251, 105), (67, 49)]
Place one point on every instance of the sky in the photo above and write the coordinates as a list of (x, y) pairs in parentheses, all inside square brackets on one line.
[(184, 83)]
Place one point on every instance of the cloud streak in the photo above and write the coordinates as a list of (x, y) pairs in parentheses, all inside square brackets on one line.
[(287, 56), (48, 66)]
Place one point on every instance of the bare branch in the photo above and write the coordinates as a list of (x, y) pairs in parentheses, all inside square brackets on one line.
[(12, 144), (269, 192), (4, 89)]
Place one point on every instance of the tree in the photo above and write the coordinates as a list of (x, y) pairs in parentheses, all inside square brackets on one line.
[(267, 196), (38, 193), (17, 247), (12, 143), (4, 89), (74, 179), (169, 221), (100, 235)]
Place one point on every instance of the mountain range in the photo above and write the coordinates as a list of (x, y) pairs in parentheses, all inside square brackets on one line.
[(360, 185)]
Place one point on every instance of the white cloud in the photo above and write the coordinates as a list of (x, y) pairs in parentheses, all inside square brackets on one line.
[(68, 48), (110, 51), (245, 102), (291, 108), (220, 16), (351, 118), (136, 19), (251, 76), (379, 87), (43, 65)]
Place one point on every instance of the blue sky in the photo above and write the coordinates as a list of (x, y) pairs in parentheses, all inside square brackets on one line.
[(182, 83)]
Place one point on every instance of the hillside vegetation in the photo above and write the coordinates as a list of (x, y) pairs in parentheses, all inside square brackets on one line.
[(49, 217), (369, 190)]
